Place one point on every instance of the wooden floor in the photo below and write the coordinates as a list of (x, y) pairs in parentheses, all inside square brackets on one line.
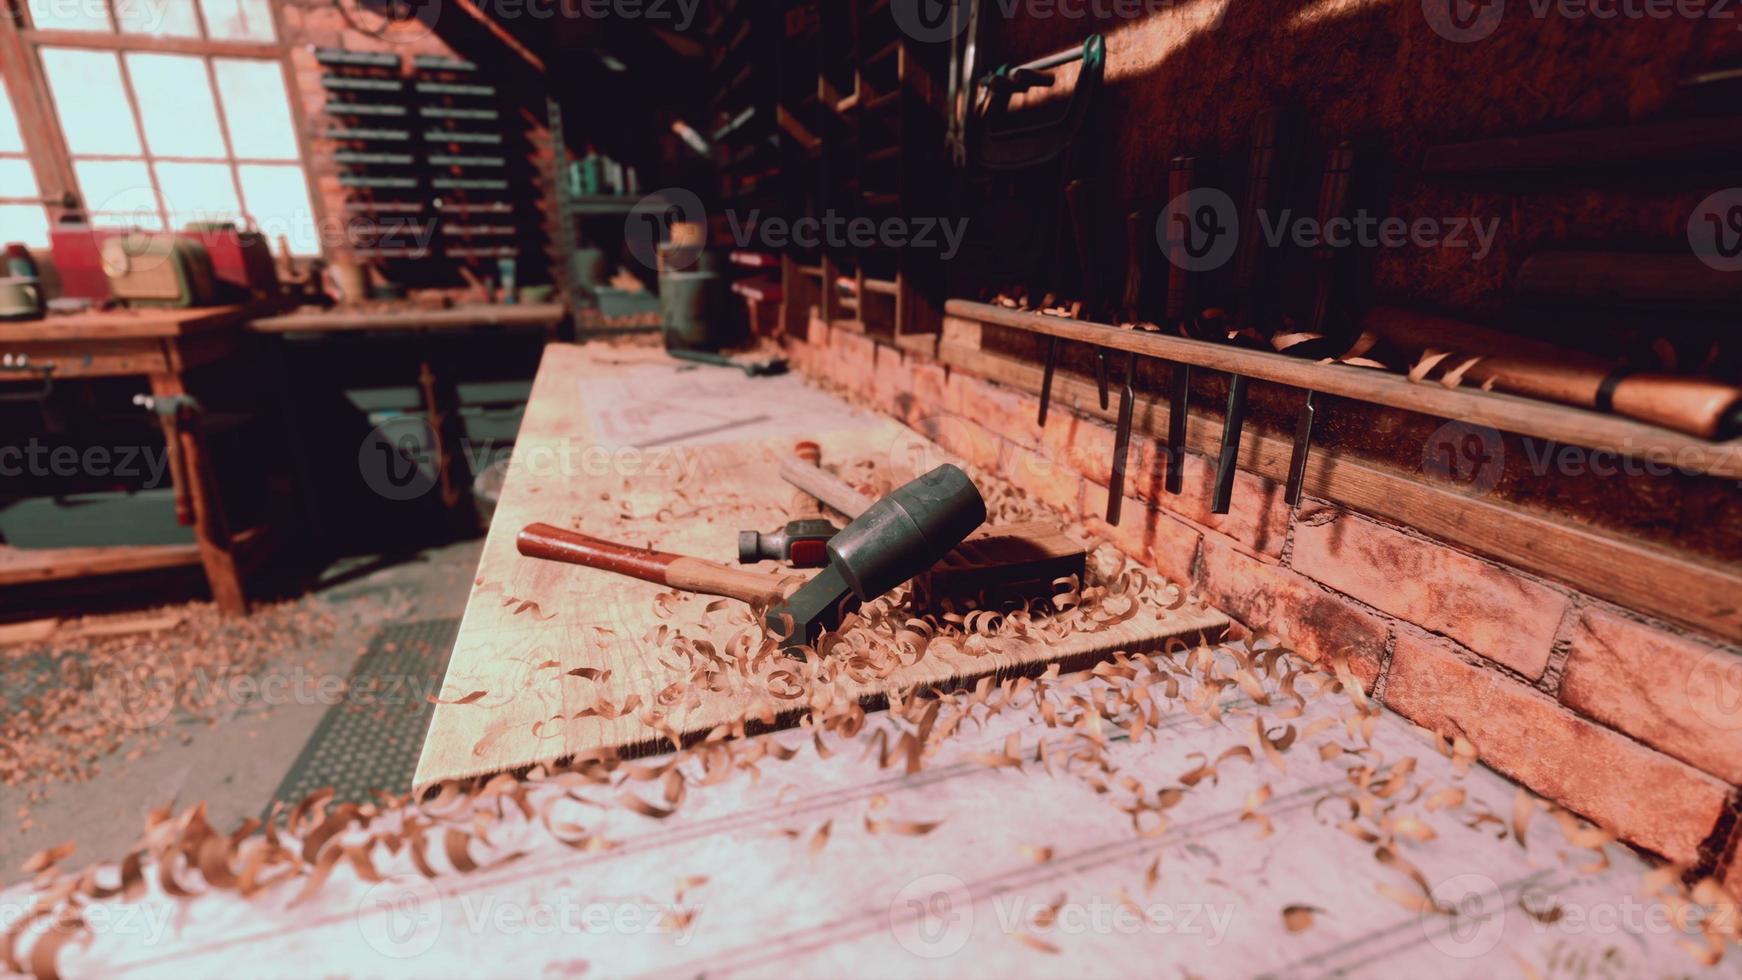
[(631, 445)]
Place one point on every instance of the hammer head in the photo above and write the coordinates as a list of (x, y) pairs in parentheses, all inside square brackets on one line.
[(900, 536)]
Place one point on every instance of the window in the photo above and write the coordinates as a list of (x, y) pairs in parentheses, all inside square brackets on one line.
[(22, 218), (188, 121)]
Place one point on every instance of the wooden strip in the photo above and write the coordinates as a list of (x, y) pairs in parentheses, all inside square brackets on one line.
[(1510, 413), (1677, 141), (530, 314), (123, 324), (1666, 282), (21, 565), (1638, 576)]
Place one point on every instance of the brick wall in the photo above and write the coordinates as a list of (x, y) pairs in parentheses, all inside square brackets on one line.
[(1632, 724)]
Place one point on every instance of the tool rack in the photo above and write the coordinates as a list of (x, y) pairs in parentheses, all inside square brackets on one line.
[(425, 157)]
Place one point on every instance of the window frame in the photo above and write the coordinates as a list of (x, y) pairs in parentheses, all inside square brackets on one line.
[(21, 45)]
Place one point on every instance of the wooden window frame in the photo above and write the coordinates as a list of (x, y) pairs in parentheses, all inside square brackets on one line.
[(51, 159)]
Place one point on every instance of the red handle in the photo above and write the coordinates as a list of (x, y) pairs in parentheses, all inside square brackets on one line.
[(556, 544)]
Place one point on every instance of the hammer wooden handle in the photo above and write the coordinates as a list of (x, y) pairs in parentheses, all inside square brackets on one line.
[(678, 571)]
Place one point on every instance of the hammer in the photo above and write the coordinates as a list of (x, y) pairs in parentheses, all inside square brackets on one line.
[(900, 536)]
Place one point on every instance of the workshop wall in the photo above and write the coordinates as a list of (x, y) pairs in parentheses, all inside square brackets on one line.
[(1618, 717)]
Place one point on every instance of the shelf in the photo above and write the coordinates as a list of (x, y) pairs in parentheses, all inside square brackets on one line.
[(1677, 141), (1525, 416)]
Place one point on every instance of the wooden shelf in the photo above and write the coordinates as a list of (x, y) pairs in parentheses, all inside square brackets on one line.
[(1525, 416)]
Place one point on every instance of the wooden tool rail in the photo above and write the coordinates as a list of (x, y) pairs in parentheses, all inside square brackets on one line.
[(1524, 416), (1675, 586)]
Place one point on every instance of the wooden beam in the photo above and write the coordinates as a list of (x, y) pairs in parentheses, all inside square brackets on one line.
[(1641, 577), (157, 45), (1677, 141), (1525, 416)]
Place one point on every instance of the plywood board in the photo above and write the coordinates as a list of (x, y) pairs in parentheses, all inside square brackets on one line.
[(630, 445)]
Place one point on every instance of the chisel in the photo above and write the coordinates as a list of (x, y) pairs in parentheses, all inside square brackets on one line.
[(1076, 206), (1334, 194), (1265, 177), (1180, 180)]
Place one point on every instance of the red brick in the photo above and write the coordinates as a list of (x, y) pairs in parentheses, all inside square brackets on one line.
[(1151, 536), (891, 384), (964, 438), (929, 381), (1009, 413), (1313, 622), (1085, 444), (1052, 483), (1506, 618), (1647, 798), (1675, 694)]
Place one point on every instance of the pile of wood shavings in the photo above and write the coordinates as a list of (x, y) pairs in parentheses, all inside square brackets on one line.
[(102, 695), (1255, 691)]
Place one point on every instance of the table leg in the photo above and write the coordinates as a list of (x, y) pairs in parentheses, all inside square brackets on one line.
[(195, 483), (441, 406)]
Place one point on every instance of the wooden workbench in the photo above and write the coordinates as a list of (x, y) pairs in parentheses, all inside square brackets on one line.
[(545, 316), (632, 445), (165, 346)]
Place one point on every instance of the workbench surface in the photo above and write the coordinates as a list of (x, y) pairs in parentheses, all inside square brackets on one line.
[(123, 324), (631, 445), (544, 315)]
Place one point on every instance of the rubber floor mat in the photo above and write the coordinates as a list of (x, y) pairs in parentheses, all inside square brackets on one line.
[(372, 739)]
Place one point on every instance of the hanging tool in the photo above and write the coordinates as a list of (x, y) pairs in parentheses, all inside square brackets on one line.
[(1181, 178), (1334, 197), (899, 537), (1265, 178), (1076, 201)]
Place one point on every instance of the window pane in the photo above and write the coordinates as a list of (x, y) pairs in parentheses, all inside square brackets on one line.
[(16, 179), (118, 193), (175, 103), (90, 102), (278, 202), (238, 20), (24, 223), (256, 109), (158, 18), (198, 192), (69, 15), (10, 140)]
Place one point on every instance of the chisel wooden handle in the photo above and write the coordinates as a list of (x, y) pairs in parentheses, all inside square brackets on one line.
[(1703, 407), (678, 571)]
